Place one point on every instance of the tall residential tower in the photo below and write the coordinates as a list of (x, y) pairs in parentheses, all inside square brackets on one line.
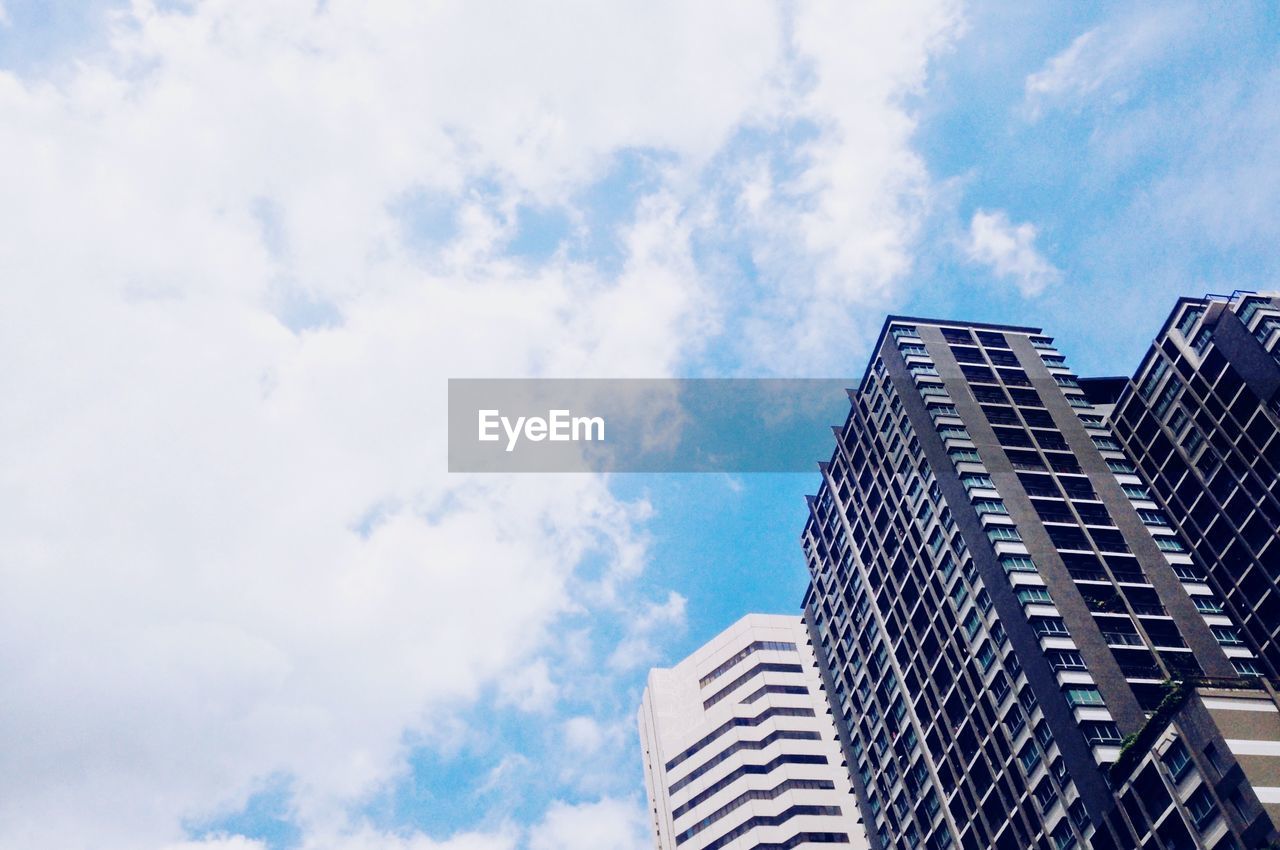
[(740, 751), (1202, 419), (998, 603)]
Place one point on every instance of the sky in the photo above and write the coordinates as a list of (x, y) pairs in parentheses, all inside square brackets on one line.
[(243, 246)]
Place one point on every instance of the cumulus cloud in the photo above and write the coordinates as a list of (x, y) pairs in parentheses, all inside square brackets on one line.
[(833, 222), (1009, 250), (607, 824), (232, 549)]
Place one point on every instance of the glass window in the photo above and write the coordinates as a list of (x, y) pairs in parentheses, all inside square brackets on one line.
[(1201, 808), (1177, 761), (1101, 733), (1017, 564), (1083, 695), (1029, 756), (1188, 321), (1034, 596)]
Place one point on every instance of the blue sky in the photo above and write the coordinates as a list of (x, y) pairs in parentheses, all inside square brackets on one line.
[(246, 245)]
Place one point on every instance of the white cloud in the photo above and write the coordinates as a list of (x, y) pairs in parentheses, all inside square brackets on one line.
[(583, 735), (368, 838), (1108, 58), (608, 824), (644, 626), (1010, 251), (232, 550), (219, 842), (837, 233)]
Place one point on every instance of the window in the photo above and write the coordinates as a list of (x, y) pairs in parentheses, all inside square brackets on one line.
[(1017, 564), (1064, 537), (1188, 321), (1101, 733), (1170, 544), (1063, 837), (976, 482), (1207, 604), (1227, 636), (1245, 667), (1187, 572), (1029, 756), (1083, 695), (1251, 307), (1148, 386), (1015, 721), (1066, 659), (1049, 627), (1122, 467), (1034, 596), (990, 506), (996, 533), (1000, 687), (1177, 761), (1150, 517), (1094, 514), (1077, 487), (1045, 795), (1136, 491), (1201, 808), (992, 340)]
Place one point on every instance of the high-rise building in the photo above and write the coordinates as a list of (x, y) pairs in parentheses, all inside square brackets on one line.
[(1202, 420), (999, 606), (740, 750)]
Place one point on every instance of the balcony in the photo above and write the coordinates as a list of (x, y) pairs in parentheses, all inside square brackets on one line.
[(1142, 671), (1122, 639)]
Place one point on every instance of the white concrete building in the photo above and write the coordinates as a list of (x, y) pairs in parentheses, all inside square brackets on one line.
[(740, 752)]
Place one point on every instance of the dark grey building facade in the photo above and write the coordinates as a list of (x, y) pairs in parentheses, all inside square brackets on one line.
[(998, 603), (1202, 419)]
